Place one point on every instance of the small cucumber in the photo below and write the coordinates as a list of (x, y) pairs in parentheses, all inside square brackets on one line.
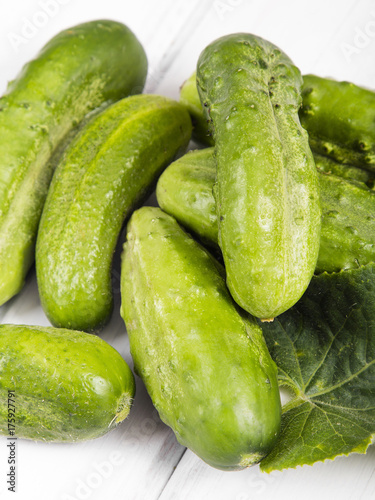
[(204, 361), (105, 172), (267, 193), (348, 210), (67, 385), (340, 117), (80, 69)]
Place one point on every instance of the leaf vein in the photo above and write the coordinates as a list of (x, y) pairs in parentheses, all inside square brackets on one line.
[(329, 346), (343, 382), (295, 353)]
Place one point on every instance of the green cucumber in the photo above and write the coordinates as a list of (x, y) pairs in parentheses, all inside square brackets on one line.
[(340, 117), (107, 170), (350, 172), (347, 239), (204, 361), (185, 191), (267, 193), (67, 385), (80, 69), (189, 98), (348, 225)]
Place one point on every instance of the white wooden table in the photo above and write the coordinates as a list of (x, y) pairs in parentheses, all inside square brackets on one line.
[(141, 459)]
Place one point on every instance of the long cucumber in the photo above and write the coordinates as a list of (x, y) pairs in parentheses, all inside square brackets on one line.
[(107, 170), (204, 361), (267, 193)]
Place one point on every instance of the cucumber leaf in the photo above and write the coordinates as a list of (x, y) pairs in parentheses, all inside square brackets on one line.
[(324, 348)]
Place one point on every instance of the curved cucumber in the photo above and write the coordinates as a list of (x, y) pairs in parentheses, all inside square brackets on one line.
[(189, 98), (340, 117), (348, 210), (77, 71), (204, 362), (267, 196), (68, 385), (105, 172)]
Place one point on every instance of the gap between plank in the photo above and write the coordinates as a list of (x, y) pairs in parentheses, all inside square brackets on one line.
[(171, 474), (181, 29)]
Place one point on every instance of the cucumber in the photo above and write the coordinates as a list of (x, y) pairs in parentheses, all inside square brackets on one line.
[(348, 225), (267, 193), (67, 385), (189, 98), (184, 190), (204, 361), (340, 117), (80, 69), (347, 239), (328, 165), (106, 171)]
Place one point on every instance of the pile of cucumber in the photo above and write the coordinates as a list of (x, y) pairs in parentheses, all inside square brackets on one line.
[(285, 190)]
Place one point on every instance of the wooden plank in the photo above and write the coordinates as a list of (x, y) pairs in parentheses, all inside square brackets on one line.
[(347, 478)]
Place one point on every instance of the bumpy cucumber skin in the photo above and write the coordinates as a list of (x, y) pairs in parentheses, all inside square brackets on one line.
[(77, 71), (203, 361), (107, 170), (69, 386), (350, 172), (267, 193), (189, 97), (348, 225), (340, 117), (348, 209)]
